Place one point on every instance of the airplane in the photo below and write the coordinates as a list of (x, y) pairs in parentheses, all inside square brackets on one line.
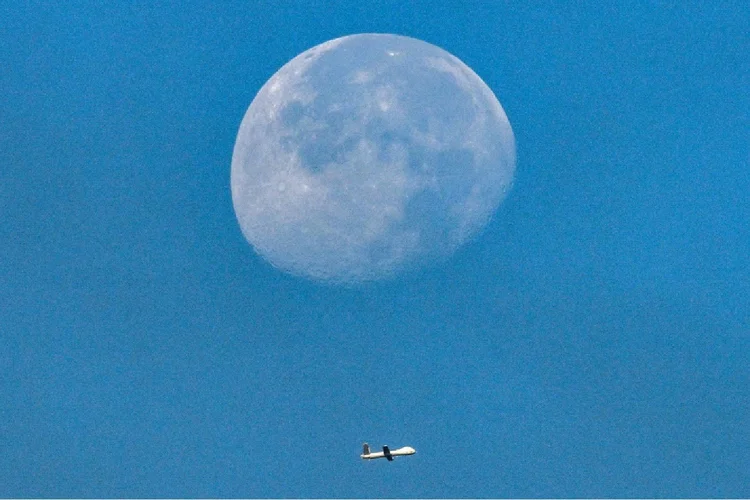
[(386, 453)]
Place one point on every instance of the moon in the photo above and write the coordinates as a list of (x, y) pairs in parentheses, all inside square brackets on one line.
[(368, 156)]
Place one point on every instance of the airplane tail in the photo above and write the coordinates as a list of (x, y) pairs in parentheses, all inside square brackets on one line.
[(365, 449)]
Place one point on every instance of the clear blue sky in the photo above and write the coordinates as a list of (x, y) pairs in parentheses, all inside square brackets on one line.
[(593, 341)]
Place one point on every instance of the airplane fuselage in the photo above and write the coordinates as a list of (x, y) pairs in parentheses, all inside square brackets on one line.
[(388, 453)]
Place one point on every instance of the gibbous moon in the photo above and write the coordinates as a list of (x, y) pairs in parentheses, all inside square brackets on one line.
[(367, 156)]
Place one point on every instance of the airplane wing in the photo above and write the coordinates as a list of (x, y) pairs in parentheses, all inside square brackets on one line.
[(387, 453)]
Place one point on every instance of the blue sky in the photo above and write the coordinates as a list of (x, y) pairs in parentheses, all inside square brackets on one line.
[(593, 341)]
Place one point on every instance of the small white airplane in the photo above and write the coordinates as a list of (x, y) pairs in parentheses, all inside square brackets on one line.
[(386, 453)]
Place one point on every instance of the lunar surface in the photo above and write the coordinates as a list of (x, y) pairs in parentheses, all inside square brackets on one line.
[(367, 156)]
